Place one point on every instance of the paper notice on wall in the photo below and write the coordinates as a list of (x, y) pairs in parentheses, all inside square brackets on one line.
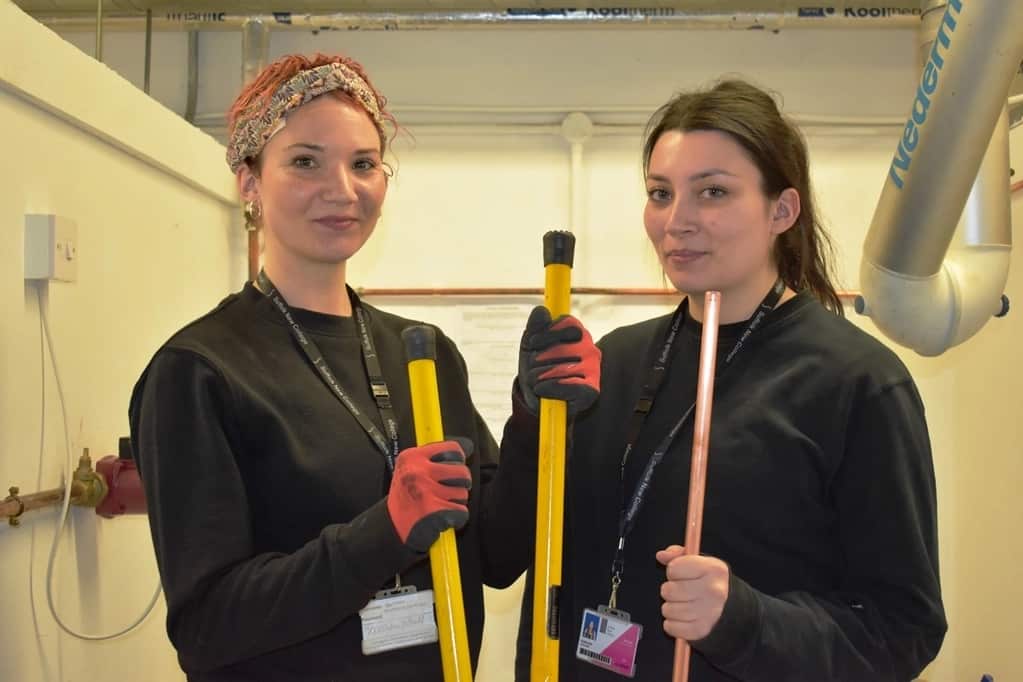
[(489, 339)]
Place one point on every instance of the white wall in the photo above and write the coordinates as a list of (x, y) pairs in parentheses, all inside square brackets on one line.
[(469, 211), (81, 142), (987, 471)]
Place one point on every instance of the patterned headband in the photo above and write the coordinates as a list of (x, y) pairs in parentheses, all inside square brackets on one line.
[(257, 125)]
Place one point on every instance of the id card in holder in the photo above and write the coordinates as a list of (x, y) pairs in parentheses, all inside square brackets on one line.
[(396, 619), (609, 640)]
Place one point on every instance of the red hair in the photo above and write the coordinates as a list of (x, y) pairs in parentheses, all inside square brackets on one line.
[(256, 95)]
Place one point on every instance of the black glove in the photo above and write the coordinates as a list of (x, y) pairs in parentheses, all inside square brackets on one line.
[(429, 491), (558, 360)]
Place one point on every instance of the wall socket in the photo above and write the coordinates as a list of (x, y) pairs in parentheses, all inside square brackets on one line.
[(51, 247)]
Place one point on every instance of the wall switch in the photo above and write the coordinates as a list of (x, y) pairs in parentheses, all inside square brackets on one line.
[(51, 247)]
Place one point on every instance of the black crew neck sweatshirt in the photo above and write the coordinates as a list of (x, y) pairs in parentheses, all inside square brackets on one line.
[(267, 499), (820, 497)]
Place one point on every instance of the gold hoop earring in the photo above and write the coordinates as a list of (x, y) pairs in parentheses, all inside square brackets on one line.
[(253, 212)]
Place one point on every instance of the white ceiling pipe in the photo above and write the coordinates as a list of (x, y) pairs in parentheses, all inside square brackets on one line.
[(576, 128), (643, 111), (548, 120), (843, 15), (916, 295), (218, 129)]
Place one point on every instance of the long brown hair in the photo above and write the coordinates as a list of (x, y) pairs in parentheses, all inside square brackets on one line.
[(803, 253)]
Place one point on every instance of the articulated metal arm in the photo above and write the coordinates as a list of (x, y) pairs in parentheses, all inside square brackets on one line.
[(920, 295)]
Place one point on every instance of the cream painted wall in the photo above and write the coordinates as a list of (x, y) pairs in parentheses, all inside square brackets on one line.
[(988, 471), (153, 251), (470, 210)]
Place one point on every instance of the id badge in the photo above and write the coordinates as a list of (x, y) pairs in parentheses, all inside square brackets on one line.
[(396, 619), (609, 640)]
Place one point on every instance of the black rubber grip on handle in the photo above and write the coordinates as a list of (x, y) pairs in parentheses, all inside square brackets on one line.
[(558, 248), (420, 343)]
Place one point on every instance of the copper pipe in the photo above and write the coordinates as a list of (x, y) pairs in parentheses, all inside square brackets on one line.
[(510, 291), (532, 291), (15, 505), (701, 444)]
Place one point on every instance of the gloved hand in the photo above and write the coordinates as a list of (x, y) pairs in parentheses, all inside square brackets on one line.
[(557, 359), (429, 491)]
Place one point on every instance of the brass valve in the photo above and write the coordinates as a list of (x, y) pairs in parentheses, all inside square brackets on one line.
[(88, 488)]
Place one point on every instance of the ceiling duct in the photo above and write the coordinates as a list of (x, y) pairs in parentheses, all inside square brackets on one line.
[(749, 15)]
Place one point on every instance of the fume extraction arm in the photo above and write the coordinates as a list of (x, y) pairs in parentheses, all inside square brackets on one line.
[(953, 154)]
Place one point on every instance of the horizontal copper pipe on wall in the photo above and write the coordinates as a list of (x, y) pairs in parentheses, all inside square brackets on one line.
[(847, 296), (16, 505)]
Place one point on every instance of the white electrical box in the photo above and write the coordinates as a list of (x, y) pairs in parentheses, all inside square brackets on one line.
[(51, 247)]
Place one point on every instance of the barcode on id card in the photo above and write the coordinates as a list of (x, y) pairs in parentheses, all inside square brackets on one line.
[(593, 654)]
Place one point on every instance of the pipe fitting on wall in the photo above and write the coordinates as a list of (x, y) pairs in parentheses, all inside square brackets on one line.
[(126, 494), (91, 487), (14, 518), (577, 127)]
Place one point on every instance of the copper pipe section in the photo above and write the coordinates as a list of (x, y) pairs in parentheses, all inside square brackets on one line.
[(88, 489), (253, 253), (846, 296), (512, 291), (15, 505), (701, 443)]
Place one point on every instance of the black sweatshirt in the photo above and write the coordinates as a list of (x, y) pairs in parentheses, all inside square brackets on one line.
[(267, 501), (820, 497)]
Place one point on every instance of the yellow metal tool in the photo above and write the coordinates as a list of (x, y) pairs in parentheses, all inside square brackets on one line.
[(558, 252), (421, 351)]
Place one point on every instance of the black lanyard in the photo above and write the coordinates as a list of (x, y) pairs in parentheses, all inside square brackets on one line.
[(655, 378), (371, 364)]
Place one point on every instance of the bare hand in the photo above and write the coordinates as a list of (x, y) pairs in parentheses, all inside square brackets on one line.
[(694, 594)]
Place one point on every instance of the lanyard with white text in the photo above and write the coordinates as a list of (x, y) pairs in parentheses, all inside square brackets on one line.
[(627, 519), (372, 366)]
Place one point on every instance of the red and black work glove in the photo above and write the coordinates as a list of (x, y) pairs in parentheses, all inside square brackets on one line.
[(429, 491), (558, 360)]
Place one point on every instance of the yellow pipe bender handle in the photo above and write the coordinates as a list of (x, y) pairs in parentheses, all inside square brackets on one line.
[(420, 349), (558, 252)]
